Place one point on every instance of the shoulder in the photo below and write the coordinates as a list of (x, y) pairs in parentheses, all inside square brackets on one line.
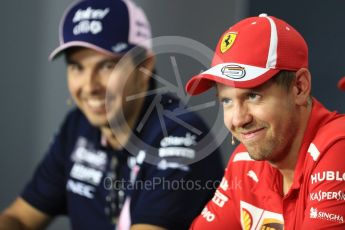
[(74, 126), (329, 139), (75, 122), (166, 119), (172, 111), (75, 117), (330, 133), (325, 153), (325, 174)]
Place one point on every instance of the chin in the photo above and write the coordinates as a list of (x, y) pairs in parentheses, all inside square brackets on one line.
[(256, 157), (259, 154), (98, 121)]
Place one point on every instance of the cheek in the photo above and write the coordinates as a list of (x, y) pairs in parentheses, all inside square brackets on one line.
[(227, 119), (134, 85), (115, 85), (73, 87), (279, 120), (271, 112)]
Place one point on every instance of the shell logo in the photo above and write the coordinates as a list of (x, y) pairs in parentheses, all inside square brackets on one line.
[(247, 219), (234, 71)]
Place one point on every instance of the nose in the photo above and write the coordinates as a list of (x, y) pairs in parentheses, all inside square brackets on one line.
[(92, 82), (240, 116)]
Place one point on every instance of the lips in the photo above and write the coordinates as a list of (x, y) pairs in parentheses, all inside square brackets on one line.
[(252, 135), (96, 105)]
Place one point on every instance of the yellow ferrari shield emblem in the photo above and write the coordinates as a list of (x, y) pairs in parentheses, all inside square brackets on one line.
[(227, 41)]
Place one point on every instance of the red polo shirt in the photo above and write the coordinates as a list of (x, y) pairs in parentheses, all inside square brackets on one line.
[(250, 194)]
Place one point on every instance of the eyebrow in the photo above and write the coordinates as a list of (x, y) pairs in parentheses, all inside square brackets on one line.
[(69, 61), (107, 60)]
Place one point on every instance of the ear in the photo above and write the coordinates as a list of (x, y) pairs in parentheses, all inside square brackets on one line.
[(302, 86), (145, 68)]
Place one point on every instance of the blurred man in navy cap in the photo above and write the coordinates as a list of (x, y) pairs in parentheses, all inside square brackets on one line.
[(113, 164)]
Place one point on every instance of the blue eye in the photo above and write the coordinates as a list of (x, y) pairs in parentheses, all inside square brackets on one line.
[(226, 101)]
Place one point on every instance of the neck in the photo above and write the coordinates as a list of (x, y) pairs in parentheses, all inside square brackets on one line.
[(287, 165)]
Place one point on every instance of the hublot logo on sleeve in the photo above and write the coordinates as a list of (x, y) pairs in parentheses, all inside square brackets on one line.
[(327, 176)]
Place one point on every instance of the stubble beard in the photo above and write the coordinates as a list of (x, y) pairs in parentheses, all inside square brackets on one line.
[(274, 149)]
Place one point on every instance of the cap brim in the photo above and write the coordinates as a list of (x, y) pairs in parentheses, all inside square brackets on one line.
[(230, 74), (67, 45)]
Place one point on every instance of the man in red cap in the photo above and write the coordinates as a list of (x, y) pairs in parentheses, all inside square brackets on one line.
[(286, 173)]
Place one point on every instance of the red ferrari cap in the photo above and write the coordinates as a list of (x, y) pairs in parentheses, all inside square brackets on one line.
[(251, 52)]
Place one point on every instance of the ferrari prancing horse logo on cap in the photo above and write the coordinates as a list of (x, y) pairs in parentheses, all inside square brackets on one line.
[(227, 41)]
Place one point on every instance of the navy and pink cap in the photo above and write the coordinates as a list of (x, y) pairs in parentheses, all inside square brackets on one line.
[(109, 26), (251, 52)]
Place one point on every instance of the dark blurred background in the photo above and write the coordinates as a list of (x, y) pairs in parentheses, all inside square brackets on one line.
[(34, 90)]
